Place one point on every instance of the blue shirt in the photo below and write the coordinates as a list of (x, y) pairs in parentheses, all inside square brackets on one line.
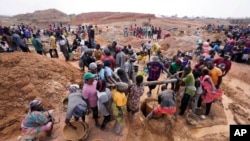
[(155, 69), (108, 71), (216, 48), (101, 74)]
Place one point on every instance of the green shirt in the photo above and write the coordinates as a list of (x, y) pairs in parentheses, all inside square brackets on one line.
[(36, 44), (174, 68), (189, 84)]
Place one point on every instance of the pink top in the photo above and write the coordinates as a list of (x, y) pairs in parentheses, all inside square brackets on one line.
[(89, 92), (208, 87)]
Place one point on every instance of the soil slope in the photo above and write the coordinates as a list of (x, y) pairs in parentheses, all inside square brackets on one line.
[(26, 76)]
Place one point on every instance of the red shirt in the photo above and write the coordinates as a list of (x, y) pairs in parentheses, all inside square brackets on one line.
[(224, 65), (111, 58)]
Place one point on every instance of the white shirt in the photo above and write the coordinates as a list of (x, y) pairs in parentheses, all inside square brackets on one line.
[(103, 97), (148, 45)]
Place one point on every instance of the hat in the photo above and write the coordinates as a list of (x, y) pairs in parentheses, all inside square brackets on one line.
[(92, 66), (227, 54), (133, 58), (79, 110), (88, 75), (155, 59), (35, 103)]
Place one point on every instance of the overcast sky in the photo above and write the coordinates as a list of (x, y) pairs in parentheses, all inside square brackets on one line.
[(208, 8)]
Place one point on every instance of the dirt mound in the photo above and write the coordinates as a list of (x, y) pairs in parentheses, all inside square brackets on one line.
[(25, 76), (108, 17), (41, 17), (170, 45)]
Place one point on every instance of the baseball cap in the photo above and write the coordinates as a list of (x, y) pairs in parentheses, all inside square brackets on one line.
[(88, 75), (92, 65)]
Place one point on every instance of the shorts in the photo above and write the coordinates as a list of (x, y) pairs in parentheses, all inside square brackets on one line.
[(164, 110), (151, 86)]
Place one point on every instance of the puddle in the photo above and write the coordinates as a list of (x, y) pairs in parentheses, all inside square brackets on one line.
[(200, 132)]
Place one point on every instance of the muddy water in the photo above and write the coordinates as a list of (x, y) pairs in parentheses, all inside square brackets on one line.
[(197, 133)]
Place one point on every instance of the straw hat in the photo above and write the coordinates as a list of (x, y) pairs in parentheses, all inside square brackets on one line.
[(81, 132)]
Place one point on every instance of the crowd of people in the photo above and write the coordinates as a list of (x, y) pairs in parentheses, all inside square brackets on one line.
[(113, 87), (147, 32), (237, 43)]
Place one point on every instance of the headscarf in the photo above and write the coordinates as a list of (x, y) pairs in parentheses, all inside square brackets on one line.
[(34, 103), (73, 88)]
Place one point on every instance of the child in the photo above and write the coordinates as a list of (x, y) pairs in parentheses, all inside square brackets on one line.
[(136, 91)]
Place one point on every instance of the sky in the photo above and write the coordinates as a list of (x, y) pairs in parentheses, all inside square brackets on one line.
[(191, 8)]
